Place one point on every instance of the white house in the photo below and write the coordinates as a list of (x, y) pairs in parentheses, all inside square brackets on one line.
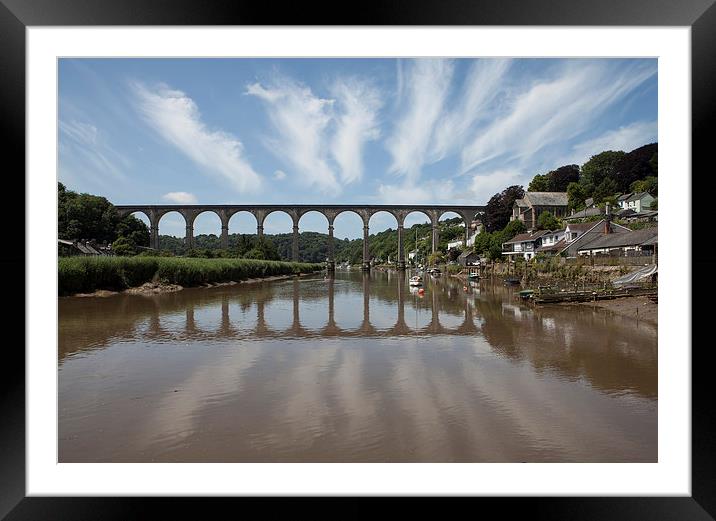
[(638, 201)]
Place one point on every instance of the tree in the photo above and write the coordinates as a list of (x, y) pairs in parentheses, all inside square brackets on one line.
[(547, 221), (499, 207), (264, 249), (539, 183), (436, 258), (606, 189), (599, 167), (560, 178), (634, 166), (453, 254), (133, 229), (124, 246), (576, 196), (650, 185), (513, 228)]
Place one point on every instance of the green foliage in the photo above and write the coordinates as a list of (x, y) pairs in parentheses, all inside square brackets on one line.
[(499, 208), (649, 184), (87, 274), (90, 217), (124, 246), (599, 167), (513, 228), (576, 195), (547, 221), (539, 183), (436, 258), (85, 216)]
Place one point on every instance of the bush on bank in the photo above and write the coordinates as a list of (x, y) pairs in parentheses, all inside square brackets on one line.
[(87, 274)]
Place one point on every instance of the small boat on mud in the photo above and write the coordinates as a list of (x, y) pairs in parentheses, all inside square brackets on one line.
[(416, 281), (526, 294), (435, 272), (473, 275), (512, 281)]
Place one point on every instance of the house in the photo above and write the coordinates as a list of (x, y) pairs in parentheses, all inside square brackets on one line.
[(578, 234), (630, 215), (76, 247), (523, 244), (412, 255), (469, 258), (529, 208), (631, 243), (552, 242), (637, 201)]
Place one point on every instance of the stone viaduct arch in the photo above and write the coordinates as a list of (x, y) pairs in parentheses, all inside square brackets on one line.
[(155, 212)]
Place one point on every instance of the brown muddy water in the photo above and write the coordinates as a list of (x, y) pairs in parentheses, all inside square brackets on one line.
[(359, 368)]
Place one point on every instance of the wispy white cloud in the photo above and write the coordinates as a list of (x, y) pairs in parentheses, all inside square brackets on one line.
[(180, 197), (476, 102), (554, 111), (279, 175), (86, 151), (426, 83), (176, 118), (301, 119), (358, 104), (624, 138), (485, 185)]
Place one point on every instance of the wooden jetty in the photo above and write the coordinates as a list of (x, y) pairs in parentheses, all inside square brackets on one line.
[(554, 297)]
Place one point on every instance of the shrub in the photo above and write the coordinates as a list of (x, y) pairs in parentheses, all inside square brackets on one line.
[(86, 274)]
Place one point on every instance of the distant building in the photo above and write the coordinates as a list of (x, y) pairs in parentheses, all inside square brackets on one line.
[(633, 242), (529, 208), (80, 247), (637, 201), (468, 258)]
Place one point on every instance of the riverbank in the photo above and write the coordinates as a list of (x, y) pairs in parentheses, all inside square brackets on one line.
[(147, 275), (640, 308)]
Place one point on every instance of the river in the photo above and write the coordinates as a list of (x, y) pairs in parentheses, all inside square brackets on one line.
[(356, 368)]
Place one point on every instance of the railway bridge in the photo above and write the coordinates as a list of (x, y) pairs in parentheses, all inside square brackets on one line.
[(190, 212)]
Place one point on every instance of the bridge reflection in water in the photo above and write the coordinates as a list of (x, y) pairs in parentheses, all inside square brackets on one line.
[(352, 368)]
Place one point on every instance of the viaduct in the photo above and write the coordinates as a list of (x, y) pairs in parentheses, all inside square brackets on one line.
[(190, 212)]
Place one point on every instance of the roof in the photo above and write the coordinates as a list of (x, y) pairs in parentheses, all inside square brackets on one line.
[(526, 237), (466, 254), (624, 197), (557, 246), (587, 212), (581, 227), (546, 198), (617, 240), (521, 203), (638, 195)]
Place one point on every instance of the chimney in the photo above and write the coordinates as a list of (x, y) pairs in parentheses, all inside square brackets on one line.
[(607, 220)]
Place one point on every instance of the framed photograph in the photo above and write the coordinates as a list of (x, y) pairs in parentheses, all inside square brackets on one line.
[(389, 255)]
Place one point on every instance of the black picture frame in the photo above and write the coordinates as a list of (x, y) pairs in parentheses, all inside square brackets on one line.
[(700, 15)]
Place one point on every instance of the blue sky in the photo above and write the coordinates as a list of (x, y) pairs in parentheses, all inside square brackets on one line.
[(242, 131)]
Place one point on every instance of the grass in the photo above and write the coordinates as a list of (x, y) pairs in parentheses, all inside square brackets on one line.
[(88, 274)]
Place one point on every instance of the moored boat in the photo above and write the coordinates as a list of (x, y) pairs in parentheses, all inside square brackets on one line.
[(416, 281)]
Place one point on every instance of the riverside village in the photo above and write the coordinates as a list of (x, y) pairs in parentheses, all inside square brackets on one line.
[(357, 260)]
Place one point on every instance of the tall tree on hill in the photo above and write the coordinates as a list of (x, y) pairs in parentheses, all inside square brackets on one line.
[(599, 167), (635, 166), (539, 183), (499, 207), (560, 178)]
